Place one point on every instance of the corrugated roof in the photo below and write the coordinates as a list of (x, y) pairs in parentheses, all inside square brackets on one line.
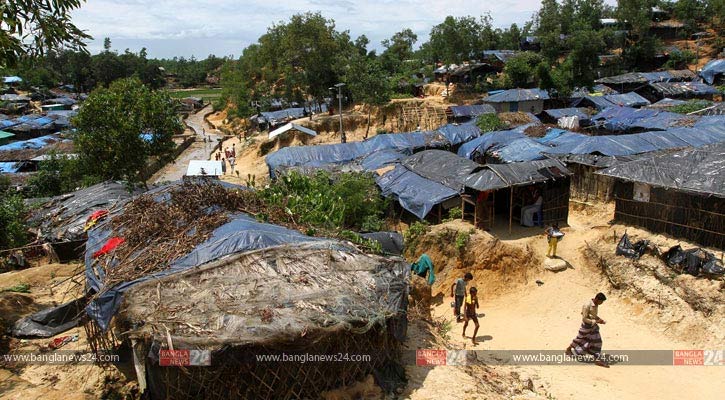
[(515, 95)]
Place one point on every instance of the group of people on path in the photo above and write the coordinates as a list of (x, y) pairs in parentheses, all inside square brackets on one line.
[(588, 340), (230, 154)]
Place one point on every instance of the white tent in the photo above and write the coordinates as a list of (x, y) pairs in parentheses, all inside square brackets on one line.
[(290, 126), (204, 168)]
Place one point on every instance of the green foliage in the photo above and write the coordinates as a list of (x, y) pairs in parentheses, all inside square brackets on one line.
[(460, 39), (455, 213), (398, 49), (690, 106), (521, 68), (58, 175), (31, 28), (401, 96), (462, 239), (350, 200), (415, 231), (19, 288), (489, 122), (680, 60), (13, 232), (111, 122)]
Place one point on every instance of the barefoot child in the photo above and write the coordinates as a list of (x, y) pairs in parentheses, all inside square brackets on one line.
[(469, 312)]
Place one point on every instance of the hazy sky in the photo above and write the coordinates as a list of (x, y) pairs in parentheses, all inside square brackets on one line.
[(170, 28)]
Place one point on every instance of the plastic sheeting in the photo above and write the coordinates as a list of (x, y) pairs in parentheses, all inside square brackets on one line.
[(63, 218), (712, 69), (683, 89), (391, 242), (523, 149), (484, 142), (630, 99), (459, 133), (625, 118), (381, 158), (10, 167), (414, 193), (472, 111), (700, 170), (557, 113), (51, 321), (36, 143), (241, 233), (322, 155), (516, 95), (499, 176), (442, 166)]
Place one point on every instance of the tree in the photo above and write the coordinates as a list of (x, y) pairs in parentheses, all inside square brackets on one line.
[(119, 128), (455, 40), (398, 49), (33, 27), (368, 83), (548, 29), (520, 69)]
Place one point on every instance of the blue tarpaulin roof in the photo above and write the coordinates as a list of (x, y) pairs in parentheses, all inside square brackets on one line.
[(12, 79), (457, 134), (630, 99), (482, 143), (320, 155), (441, 166), (9, 167), (515, 95), (414, 193), (37, 143), (712, 69), (381, 158), (624, 118), (472, 111), (557, 113), (523, 149)]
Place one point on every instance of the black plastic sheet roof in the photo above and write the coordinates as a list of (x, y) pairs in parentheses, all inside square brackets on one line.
[(499, 176), (442, 166), (699, 170)]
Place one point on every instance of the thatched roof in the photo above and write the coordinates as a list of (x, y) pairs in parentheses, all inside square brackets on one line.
[(273, 295)]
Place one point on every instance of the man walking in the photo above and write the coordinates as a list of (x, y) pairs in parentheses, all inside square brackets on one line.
[(458, 292), (588, 340)]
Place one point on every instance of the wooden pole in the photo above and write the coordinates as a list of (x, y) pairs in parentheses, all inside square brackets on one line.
[(511, 209)]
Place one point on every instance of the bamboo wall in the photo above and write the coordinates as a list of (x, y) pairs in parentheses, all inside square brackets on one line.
[(586, 185), (556, 201), (695, 218)]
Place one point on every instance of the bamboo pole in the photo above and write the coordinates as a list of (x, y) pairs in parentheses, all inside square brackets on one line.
[(511, 209)]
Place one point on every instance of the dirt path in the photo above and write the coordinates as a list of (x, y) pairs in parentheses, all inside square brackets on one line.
[(546, 317), (199, 150)]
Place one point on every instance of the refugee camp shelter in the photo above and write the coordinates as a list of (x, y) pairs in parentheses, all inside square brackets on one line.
[(468, 112), (681, 194), (293, 299), (678, 90), (713, 73), (12, 80), (62, 221), (246, 288), (507, 186), (291, 127), (634, 80), (525, 100), (202, 168), (630, 99)]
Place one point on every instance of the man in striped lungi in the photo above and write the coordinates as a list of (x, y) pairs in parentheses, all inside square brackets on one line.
[(588, 340)]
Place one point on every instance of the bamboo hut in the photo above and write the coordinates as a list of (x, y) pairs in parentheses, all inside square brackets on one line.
[(681, 194)]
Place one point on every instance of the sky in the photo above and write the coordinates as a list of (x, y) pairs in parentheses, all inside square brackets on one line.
[(168, 28)]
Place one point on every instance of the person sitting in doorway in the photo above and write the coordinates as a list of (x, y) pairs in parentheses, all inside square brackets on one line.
[(527, 212)]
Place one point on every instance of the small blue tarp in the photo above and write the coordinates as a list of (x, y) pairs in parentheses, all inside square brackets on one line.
[(712, 69)]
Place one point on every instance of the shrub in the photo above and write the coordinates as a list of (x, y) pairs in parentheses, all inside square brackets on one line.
[(415, 231), (14, 233), (691, 106), (489, 122)]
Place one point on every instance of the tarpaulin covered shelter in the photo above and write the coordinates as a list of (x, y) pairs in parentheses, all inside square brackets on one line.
[(522, 149), (662, 90), (667, 103), (321, 155), (471, 111), (550, 172), (442, 166), (526, 100), (556, 113), (627, 118), (62, 220), (303, 299), (459, 133), (630, 99), (681, 193), (713, 71), (415, 193), (476, 148), (291, 126)]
